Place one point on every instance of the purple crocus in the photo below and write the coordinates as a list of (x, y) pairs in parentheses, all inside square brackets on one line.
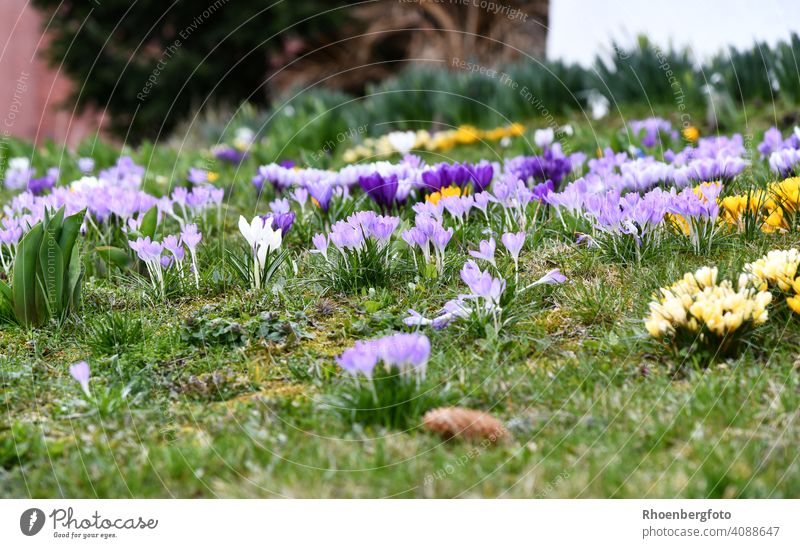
[(482, 175), (282, 221), (40, 185), (197, 176), (191, 237), (441, 237), (382, 227), (651, 128), (407, 353), (382, 190), (81, 373), (415, 319), (229, 154), (299, 195), (321, 192), (431, 180), (147, 250), (360, 359), (86, 165), (513, 242), (320, 242), (551, 165), (279, 205), (404, 351), (486, 249), (554, 277), (483, 285), (173, 245)]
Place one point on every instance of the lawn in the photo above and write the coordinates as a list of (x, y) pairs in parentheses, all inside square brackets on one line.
[(221, 390)]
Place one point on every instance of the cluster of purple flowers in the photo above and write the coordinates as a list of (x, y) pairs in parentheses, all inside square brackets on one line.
[(713, 159), (115, 191), (639, 216), (18, 173), (443, 175), (40, 185), (405, 353), (169, 253), (229, 154), (483, 299), (695, 214), (388, 184), (382, 190), (514, 196), (773, 141), (486, 292), (352, 233), (551, 166), (783, 155), (10, 234), (113, 196), (785, 162), (631, 214), (428, 234), (653, 129), (184, 204)]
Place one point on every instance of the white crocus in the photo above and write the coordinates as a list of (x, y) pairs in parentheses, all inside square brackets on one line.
[(262, 239), (270, 237), (20, 163), (543, 137), (252, 231), (402, 141)]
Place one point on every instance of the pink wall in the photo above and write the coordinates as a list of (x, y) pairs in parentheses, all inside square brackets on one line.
[(32, 95)]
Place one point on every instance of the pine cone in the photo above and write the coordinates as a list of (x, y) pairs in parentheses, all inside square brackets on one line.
[(458, 422)]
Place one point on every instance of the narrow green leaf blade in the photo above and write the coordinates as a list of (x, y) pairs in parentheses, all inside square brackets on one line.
[(69, 232), (51, 263), (24, 276)]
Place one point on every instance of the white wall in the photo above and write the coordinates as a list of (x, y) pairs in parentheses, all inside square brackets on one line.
[(581, 29)]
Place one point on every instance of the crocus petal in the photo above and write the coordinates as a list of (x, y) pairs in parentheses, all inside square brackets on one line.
[(553, 277), (81, 373)]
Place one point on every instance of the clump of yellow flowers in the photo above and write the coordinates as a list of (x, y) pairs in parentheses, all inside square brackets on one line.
[(691, 134), (772, 209), (447, 192), (439, 141), (775, 272), (697, 309)]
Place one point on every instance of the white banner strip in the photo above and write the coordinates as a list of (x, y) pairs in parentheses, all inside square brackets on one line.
[(400, 523)]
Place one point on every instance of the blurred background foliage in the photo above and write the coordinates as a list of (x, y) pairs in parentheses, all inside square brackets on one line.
[(151, 63), (303, 75), (190, 51)]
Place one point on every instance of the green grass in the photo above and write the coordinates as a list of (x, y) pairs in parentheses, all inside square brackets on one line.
[(226, 393)]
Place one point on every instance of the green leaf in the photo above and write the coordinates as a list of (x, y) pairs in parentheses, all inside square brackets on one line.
[(55, 222), (72, 293), (372, 306), (113, 256), (148, 226), (51, 273), (6, 294), (24, 276), (69, 232)]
